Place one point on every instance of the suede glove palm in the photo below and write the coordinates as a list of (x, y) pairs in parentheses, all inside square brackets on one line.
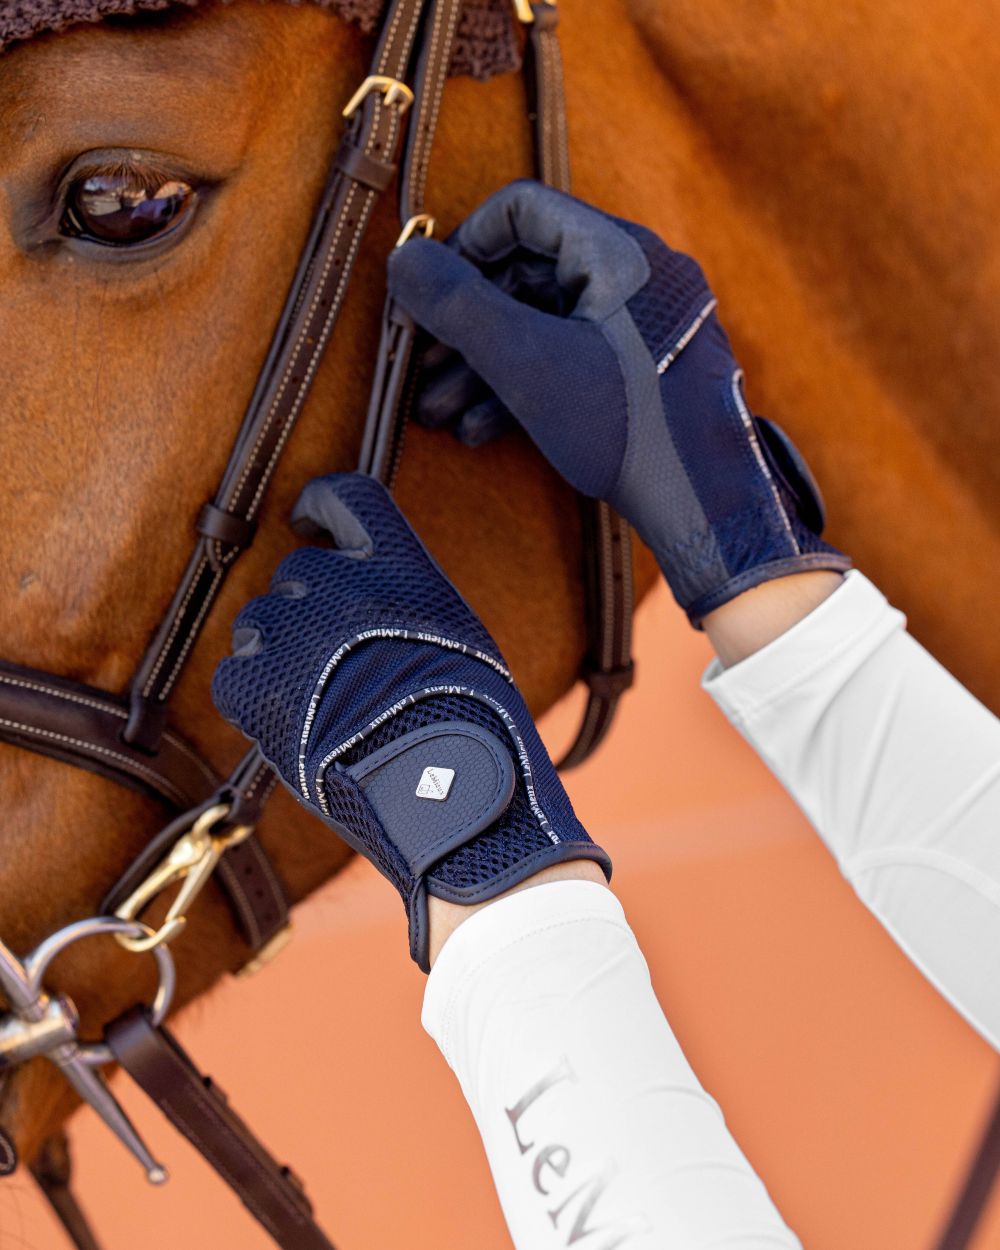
[(385, 707), (605, 346)]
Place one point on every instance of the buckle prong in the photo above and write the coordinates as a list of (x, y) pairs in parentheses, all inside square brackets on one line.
[(423, 222), (394, 89)]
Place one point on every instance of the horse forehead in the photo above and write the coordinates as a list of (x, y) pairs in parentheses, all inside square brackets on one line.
[(218, 61), (237, 43)]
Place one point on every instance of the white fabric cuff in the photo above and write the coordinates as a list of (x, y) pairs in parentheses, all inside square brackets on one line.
[(515, 920)]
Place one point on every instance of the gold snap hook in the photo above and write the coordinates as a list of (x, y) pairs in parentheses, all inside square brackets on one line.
[(191, 861)]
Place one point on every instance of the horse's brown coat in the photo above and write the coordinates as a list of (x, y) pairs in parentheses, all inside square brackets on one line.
[(819, 161)]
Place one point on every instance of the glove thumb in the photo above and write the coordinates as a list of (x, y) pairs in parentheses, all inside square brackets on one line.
[(357, 512), (531, 359)]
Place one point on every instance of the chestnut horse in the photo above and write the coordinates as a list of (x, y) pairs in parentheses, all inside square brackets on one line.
[(829, 165)]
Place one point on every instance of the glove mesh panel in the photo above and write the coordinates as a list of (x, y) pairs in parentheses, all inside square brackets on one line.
[(672, 298)]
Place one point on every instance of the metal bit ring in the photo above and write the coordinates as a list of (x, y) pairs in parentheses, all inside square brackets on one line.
[(35, 965)]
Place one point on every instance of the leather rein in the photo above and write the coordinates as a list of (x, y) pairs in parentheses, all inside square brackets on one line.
[(127, 739)]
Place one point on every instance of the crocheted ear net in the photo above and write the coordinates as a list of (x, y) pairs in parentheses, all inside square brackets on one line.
[(484, 43)]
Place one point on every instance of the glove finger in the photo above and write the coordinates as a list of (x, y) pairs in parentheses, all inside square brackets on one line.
[(355, 510), (247, 641), (594, 257), (532, 360), (436, 355), (448, 296), (484, 423), (360, 516), (447, 391), (320, 510)]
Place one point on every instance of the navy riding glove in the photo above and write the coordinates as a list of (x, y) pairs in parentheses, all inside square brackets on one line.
[(604, 345), (385, 706)]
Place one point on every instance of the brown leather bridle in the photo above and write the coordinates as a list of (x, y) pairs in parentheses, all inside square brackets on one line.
[(128, 740)]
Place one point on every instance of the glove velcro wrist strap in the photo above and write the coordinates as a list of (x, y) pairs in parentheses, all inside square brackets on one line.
[(435, 788)]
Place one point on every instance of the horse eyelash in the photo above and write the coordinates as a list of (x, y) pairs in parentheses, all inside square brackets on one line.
[(148, 174)]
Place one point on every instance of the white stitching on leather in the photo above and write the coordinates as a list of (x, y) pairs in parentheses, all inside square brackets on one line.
[(332, 313), (185, 750), (317, 355), (178, 616), (131, 765), (192, 635), (364, 211), (69, 696), (293, 360), (423, 164), (554, 78), (72, 697)]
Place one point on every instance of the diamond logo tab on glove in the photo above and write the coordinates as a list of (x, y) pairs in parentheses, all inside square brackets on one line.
[(435, 783)]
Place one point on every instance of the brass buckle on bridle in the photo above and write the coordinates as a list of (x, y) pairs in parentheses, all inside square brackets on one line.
[(191, 861), (524, 11), (394, 90), (422, 222)]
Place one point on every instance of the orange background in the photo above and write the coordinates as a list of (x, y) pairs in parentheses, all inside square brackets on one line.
[(854, 1089)]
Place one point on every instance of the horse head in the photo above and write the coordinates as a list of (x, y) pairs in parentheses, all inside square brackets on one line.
[(126, 370)]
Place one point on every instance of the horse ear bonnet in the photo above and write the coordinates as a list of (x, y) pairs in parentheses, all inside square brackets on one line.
[(484, 43)]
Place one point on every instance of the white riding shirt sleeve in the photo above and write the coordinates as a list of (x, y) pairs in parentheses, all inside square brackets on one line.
[(897, 766), (596, 1129)]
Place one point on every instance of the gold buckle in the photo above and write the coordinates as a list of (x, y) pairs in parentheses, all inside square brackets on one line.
[(523, 10), (191, 861), (267, 953), (392, 88), (423, 222)]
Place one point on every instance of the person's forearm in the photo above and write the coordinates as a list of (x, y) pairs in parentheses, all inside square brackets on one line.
[(898, 768), (595, 1127), (758, 616), (444, 918)]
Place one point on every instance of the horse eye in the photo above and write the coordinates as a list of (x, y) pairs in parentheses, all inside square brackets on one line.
[(121, 210)]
